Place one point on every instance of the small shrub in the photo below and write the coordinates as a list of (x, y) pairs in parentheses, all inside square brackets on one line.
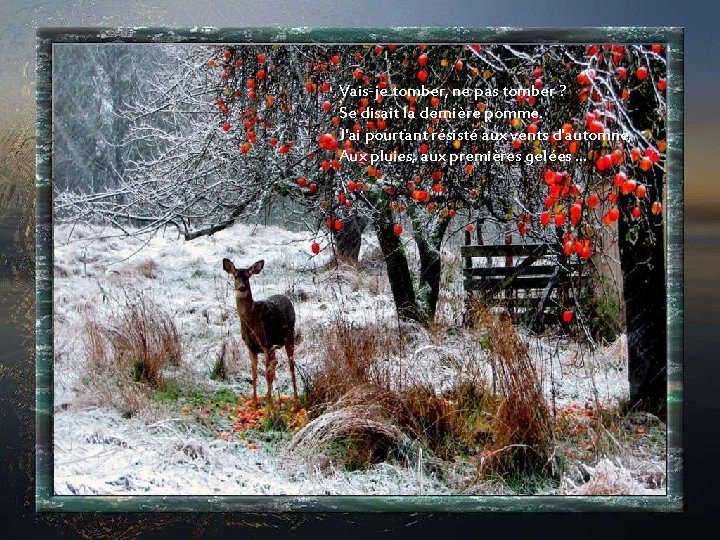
[(130, 351), (145, 338), (229, 355), (219, 371), (354, 374)]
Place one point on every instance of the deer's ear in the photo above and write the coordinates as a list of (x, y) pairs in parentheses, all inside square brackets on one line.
[(228, 266), (255, 268)]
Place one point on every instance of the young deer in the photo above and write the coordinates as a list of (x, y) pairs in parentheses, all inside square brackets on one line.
[(266, 325)]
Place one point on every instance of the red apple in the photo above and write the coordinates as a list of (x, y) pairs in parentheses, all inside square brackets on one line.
[(645, 164)]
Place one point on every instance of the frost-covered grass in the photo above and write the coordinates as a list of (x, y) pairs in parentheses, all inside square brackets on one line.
[(194, 435)]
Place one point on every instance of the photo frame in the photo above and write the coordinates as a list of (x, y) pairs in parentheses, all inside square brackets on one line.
[(47, 500)]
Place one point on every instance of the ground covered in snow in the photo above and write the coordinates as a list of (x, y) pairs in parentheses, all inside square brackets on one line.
[(182, 440)]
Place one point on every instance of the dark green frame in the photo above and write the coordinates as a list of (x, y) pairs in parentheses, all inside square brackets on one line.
[(47, 501)]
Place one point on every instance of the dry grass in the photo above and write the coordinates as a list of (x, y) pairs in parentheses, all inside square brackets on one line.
[(522, 424), (363, 410), (126, 354), (356, 419), (148, 269), (609, 479), (588, 435), (360, 434), (351, 358), (229, 356), (360, 409)]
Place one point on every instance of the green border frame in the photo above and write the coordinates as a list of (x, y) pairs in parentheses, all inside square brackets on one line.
[(45, 500)]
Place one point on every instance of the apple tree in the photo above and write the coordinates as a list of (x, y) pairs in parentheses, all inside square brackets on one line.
[(588, 165)]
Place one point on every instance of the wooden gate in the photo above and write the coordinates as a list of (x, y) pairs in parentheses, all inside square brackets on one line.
[(529, 280)]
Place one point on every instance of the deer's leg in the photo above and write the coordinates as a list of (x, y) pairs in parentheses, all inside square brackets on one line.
[(290, 350), (271, 362), (253, 365)]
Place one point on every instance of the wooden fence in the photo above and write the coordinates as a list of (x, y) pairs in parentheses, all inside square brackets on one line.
[(529, 280)]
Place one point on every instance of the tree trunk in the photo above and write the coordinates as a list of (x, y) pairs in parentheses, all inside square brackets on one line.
[(646, 314), (348, 239), (397, 270), (429, 287), (642, 258), (428, 244)]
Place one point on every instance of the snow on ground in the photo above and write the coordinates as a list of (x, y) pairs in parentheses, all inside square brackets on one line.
[(573, 374), (188, 282), (97, 451)]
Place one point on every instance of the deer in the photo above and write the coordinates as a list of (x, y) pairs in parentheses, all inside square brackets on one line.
[(265, 325)]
